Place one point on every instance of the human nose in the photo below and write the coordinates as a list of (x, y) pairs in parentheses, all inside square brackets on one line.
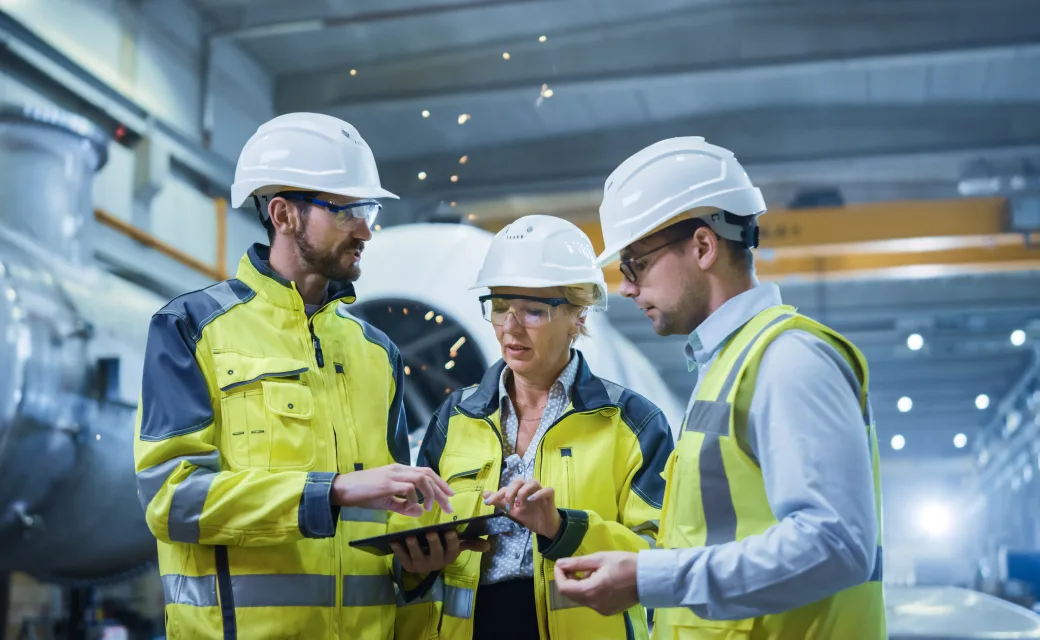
[(362, 231), (628, 289), (512, 321)]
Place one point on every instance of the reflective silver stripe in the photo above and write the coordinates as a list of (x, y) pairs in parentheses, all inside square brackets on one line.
[(368, 591), (283, 590), (195, 591), (557, 600), (731, 378), (151, 480), (360, 514), (186, 506), (707, 416), (720, 516), (614, 391), (649, 539), (458, 602), (435, 594), (223, 295)]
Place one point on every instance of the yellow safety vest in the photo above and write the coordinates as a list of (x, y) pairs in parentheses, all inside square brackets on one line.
[(604, 457), (248, 410), (716, 493)]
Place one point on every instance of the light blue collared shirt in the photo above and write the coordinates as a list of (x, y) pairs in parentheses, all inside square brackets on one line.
[(805, 428)]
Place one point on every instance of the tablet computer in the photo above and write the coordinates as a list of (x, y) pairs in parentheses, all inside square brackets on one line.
[(467, 529)]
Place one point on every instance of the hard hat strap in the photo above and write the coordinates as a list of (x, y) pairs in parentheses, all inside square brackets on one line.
[(748, 228)]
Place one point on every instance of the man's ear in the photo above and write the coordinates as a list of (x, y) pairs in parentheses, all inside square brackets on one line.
[(283, 216), (705, 247)]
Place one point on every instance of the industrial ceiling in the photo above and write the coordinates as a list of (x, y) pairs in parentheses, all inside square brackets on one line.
[(836, 103)]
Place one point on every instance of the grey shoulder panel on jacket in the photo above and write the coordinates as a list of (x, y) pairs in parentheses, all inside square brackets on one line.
[(197, 309)]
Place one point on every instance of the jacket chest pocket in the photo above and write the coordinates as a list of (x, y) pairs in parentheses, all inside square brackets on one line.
[(467, 476), (266, 413)]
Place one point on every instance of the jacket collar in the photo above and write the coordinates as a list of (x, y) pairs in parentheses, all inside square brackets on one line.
[(707, 339), (255, 270), (590, 393)]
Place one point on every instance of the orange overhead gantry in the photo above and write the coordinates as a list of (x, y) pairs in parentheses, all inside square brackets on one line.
[(890, 239)]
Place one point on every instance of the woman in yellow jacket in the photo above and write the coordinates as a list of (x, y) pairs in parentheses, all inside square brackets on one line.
[(575, 459)]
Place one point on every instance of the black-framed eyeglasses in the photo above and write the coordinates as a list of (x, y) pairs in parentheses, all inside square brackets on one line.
[(632, 267), (529, 311), (342, 214)]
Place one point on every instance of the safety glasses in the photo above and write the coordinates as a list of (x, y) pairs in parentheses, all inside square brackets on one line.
[(342, 214), (529, 311), (632, 267)]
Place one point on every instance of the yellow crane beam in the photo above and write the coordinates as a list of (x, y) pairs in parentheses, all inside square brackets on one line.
[(890, 239)]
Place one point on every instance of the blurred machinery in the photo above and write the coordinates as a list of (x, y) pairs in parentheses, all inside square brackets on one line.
[(71, 343), (953, 613)]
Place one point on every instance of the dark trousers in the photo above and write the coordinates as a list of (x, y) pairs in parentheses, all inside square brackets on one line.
[(505, 611)]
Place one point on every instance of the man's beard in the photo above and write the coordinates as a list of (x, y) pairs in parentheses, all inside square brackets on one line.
[(329, 263)]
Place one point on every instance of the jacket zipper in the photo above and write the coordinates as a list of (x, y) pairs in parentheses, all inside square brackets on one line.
[(463, 474), (541, 561), (319, 359), (538, 455)]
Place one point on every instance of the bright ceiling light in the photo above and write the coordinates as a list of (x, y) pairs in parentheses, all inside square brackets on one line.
[(914, 341), (1018, 337), (934, 519), (898, 442), (454, 178), (960, 440), (463, 118), (542, 39), (353, 72), (463, 159), (505, 55), (905, 404), (472, 217), (422, 175), (425, 113), (981, 401)]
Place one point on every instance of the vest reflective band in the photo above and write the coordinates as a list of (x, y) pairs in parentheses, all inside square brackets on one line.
[(716, 493)]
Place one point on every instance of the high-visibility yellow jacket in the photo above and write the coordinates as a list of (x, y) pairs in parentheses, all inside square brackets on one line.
[(716, 493), (248, 410), (604, 457)]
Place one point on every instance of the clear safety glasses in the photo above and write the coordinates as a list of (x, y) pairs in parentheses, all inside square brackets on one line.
[(529, 311), (342, 214), (632, 267)]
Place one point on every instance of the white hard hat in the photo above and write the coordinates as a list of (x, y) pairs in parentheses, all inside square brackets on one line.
[(308, 152), (670, 178), (542, 251)]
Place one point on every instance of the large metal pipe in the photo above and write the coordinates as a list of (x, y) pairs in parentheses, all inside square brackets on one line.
[(71, 343)]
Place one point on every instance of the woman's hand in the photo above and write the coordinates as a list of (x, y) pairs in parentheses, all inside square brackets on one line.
[(530, 504), (413, 560)]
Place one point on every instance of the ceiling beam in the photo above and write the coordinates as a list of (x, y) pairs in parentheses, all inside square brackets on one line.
[(892, 240), (762, 136), (318, 23), (717, 41)]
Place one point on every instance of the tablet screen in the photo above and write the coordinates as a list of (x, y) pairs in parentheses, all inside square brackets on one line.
[(467, 529)]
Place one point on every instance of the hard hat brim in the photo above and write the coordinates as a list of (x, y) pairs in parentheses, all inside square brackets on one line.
[(239, 197)]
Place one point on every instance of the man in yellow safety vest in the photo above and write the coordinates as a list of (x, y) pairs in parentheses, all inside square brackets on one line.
[(771, 526)]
